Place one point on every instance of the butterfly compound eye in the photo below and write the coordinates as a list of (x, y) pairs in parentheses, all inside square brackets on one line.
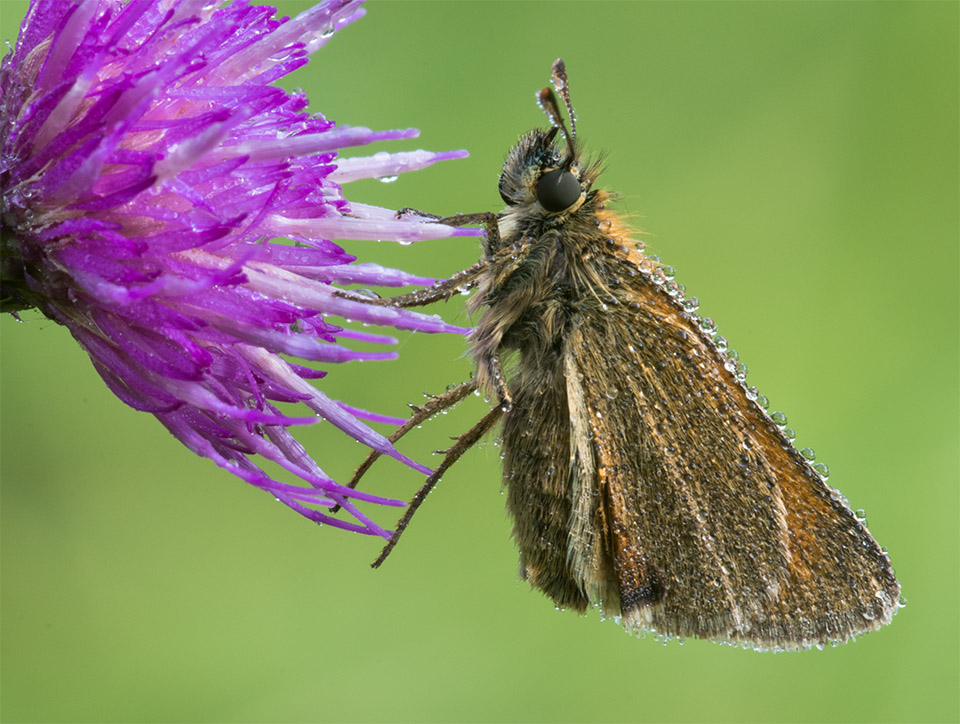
[(558, 190)]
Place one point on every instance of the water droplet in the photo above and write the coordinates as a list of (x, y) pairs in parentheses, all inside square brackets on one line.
[(753, 393), (387, 179), (822, 470), (809, 454), (741, 371), (790, 433), (778, 418)]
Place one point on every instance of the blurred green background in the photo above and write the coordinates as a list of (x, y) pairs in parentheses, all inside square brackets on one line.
[(796, 162)]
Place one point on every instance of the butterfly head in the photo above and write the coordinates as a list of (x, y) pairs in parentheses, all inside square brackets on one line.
[(544, 172)]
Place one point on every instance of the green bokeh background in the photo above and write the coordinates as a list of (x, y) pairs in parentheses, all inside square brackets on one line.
[(796, 162)]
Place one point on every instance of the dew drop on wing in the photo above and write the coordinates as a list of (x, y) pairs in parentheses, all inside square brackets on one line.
[(779, 418)]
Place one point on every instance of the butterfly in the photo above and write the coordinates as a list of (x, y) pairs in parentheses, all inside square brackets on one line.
[(643, 476)]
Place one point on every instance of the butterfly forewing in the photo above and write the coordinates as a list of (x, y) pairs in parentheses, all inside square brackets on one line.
[(735, 530)]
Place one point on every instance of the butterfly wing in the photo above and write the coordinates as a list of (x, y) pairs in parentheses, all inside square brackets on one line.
[(715, 526)]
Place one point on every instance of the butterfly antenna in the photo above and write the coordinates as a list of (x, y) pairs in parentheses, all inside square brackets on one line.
[(559, 78), (548, 103)]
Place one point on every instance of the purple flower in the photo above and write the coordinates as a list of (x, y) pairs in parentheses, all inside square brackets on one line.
[(147, 162)]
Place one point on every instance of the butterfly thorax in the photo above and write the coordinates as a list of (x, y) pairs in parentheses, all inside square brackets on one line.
[(548, 273)]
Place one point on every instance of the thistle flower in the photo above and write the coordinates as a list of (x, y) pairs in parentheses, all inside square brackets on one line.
[(147, 162)]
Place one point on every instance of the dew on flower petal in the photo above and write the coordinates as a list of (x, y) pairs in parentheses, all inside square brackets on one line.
[(387, 179), (190, 232)]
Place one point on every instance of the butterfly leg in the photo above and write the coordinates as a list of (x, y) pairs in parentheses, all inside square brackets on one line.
[(459, 283), (491, 368), (431, 407), (464, 443)]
